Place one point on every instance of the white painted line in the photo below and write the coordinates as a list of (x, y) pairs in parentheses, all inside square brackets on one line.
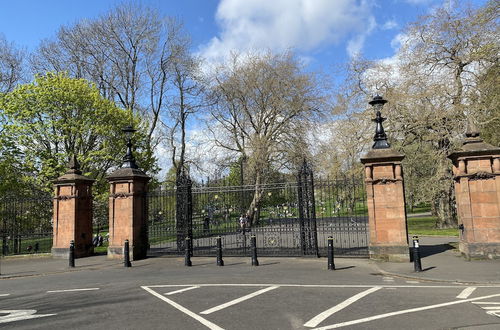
[(405, 311), (466, 292), (236, 301), (322, 316), (319, 285), (20, 314), (181, 290), (72, 290), (186, 311), (492, 308), (412, 282), (486, 303), (4, 294)]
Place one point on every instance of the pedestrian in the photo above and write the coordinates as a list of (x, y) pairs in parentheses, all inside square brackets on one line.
[(99, 240), (95, 240), (242, 221)]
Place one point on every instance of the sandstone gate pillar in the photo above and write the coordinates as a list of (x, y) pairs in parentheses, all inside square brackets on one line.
[(476, 169), (72, 218), (128, 208), (385, 197)]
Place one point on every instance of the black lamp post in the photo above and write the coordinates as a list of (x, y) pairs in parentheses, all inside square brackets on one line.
[(129, 159), (380, 137)]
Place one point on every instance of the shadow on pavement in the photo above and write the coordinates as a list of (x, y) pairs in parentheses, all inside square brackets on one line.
[(429, 250)]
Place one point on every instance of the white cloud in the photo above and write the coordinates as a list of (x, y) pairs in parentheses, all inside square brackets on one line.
[(398, 41), (355, 45), (282, 24), (389, 25)]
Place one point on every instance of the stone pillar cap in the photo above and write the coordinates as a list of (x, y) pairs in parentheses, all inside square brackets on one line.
[(73, 174), (128, 173), (382, 155), (472, 146)]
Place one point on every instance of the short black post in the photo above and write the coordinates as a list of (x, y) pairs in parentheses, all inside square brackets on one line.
[(72, 254), (253, 242), (187, 257), (417, 264), (331, 263), (220, 262), (126, 254)]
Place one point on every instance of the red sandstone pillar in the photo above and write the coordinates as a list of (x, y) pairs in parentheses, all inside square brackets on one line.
[(72, 213), (386, 205), (476, 169), (128, 213), (385, 196)]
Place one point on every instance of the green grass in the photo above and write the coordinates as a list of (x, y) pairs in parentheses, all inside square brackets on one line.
[(427, 226)]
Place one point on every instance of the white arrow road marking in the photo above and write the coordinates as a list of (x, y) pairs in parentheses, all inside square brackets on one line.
[(186, 311), (405, 311), (20, 314), (236, 301), (181, 290), (466, 292), (321, 317), (496, 313)]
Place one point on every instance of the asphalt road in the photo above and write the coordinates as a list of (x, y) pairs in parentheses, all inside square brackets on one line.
[(291, 293)]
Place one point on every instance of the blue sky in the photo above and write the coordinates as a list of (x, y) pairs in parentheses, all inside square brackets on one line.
[(323, 32)]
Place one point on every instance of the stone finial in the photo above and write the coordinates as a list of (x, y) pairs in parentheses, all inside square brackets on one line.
[(73, 165)]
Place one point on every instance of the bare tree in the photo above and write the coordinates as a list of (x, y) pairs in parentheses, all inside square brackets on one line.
[(431, 85), (11, 65), (127, 53), (259, 103)]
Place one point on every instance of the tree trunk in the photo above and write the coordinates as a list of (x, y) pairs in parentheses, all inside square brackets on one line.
[(254, 208), (444, 208)]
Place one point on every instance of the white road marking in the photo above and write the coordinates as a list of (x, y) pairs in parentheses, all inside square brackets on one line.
[(236, 301), (322, 316), (466, 292), (486, 303), (319, 285), (405, 311), (4, 294), (387, 279), (182, 290), (493, 308), (72, 290), (186, 311), (412, 282), (496, 313), (20, 314)]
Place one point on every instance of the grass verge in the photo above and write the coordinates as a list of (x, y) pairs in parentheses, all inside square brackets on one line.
[(427, 226)]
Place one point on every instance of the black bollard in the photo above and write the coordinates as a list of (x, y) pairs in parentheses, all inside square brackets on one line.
[(187, 257), (220, 262), (72, 254), (417, 264), (126, 254), (331, 263), (253, 242)]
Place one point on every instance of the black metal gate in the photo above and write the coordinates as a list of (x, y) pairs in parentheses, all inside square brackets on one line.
[(293, 218)]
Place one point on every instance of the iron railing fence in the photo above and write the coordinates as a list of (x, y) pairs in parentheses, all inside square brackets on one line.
[(26, 224), (339, 205)]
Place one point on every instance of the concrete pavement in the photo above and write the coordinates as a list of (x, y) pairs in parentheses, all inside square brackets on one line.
[(441, 262)]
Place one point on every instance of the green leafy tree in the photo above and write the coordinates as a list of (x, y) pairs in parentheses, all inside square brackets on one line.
[(55, 117)]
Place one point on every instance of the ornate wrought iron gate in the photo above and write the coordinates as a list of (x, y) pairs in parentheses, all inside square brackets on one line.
[(294, 218), (307, 211)]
